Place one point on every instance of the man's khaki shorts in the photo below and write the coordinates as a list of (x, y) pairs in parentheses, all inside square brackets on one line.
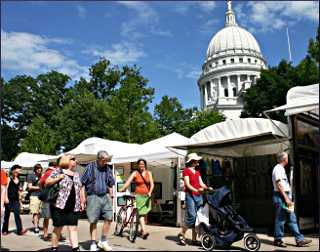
[(35, 205)]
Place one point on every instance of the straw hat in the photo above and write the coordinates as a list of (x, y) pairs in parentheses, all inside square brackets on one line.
[(193, 156)]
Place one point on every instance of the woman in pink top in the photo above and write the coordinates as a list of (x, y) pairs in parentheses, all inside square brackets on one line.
[(193, 188)]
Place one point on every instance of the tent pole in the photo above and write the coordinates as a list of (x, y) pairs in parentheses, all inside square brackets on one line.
[(178, 223)]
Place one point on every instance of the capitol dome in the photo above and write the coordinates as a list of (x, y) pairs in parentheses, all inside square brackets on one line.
[(232, 65), (233, 39)]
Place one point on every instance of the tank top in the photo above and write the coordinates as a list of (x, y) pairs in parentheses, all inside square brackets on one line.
[(13, 191), (141, 187)]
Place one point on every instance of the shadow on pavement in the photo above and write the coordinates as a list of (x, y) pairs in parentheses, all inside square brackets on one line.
[(85, 244), (4, 249), (60, 248)]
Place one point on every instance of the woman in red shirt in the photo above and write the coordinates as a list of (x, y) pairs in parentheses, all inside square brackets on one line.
[(193, 188)]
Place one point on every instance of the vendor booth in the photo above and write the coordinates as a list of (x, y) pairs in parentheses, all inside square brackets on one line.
[(302, 111), (240, 154)]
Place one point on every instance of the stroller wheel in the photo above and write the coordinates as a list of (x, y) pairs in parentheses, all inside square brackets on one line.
[(251, 242), (208, 242)]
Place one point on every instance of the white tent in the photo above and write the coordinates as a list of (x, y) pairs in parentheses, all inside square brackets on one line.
[(301, 99), (240, 137), (87, 150), (26, 159), (156, 150), (6, 164)]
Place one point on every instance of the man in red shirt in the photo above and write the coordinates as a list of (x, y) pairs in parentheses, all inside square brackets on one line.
[(194, 186), (45, 211)]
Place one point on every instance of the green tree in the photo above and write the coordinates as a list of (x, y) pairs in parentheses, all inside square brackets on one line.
[(131, 120), (313, 48), (82, 118), (203, 119), (171, 117), (40, 138)]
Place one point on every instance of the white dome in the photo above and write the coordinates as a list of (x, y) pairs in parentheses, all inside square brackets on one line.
[(233, 38)]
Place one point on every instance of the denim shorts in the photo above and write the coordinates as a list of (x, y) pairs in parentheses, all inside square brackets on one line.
[(193, 203), (99, 206), (45, 210)]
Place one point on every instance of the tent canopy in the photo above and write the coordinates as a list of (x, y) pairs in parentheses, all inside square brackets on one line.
[(87, 150), (157, 149), (301, 99), (26, 159), (240, 137), (6, 164)]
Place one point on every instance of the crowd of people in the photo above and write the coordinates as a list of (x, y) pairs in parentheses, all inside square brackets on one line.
[(93, 192)]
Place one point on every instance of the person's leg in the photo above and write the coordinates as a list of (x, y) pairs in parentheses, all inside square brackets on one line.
[(17, 218), (5, 226), (73, 235), (93, 231), (142, 224), (55, 236), (293, 226), (280, 218), (106, 228), (45, 227)]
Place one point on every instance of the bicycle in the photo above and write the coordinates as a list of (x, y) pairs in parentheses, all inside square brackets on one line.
[(125, 217)]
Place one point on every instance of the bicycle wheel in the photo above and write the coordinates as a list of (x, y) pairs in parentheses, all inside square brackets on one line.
[(134, 224), (120, 221)]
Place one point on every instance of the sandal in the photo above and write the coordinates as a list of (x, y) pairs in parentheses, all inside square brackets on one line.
[(182, 240), (145, 236)]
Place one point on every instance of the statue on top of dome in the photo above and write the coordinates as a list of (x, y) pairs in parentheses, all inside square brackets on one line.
[(229, 3)]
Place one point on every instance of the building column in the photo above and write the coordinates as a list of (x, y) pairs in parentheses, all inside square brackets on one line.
[(239, 85), (221, 89), (229, 86), (205, 98)]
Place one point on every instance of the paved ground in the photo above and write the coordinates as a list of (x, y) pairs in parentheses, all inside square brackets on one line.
[(161, 238)]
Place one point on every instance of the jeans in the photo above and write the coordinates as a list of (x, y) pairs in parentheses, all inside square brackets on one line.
[(193, 203), (15, 207), (282, 216)]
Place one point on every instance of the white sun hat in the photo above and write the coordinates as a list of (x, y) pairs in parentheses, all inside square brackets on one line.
[(193, 156)]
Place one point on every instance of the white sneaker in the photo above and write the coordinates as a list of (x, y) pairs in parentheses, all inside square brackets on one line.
[(93, 247), (104, 245)]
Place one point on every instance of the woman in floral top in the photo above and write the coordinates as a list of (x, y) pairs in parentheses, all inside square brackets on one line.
[(65, 211)]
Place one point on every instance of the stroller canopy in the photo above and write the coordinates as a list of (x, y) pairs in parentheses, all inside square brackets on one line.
[(218, 196)]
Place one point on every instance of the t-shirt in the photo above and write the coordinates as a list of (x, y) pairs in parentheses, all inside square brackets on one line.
[(13, 191), (46, 175), (4, 177), (193, 178), (279, 173), (34, 179)]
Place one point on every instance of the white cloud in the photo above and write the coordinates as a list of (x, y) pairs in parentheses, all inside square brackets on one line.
[(27, 53), (209, 26), (82, 12), (145, 18), (121, 53), (204, 6), (267, 16), (182, 70)]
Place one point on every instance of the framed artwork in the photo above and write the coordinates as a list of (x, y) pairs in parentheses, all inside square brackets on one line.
[(119, 185), (121, 201), (120, 171)]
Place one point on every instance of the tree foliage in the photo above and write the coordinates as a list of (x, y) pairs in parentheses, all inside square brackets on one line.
[(203, 119), (171, 117)]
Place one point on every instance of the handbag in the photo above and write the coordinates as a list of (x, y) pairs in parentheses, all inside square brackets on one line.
[(49, 193)]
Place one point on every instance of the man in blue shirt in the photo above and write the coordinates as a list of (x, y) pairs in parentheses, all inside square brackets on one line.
[(98, 180)]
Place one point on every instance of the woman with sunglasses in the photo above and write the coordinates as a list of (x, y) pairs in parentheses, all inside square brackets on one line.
[(65, 211)]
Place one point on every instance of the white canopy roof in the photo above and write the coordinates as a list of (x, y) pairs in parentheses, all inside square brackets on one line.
[(26, 159), (6, 164), (156, 149), (301, 99), (87, 150), (240, 137)]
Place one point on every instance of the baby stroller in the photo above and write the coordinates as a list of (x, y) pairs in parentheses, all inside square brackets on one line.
[(226, 226)]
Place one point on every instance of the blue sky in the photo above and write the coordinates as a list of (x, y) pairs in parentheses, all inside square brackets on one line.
[(168, 40)]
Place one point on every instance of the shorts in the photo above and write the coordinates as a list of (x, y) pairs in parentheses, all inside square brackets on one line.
[(61, 218), (45, 210), (99, 206), (193, 203), (35, 205)]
